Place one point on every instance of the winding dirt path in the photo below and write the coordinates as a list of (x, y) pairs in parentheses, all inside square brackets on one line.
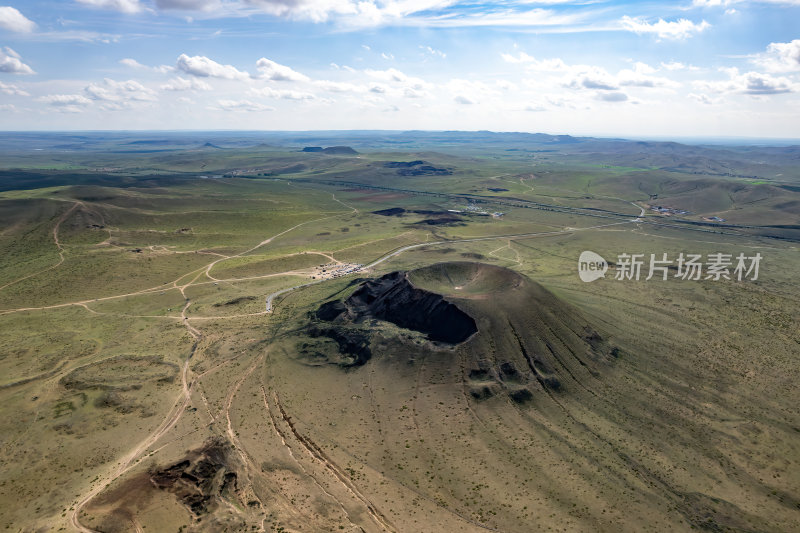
[(58, 244)]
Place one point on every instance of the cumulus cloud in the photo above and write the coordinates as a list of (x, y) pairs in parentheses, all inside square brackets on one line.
[(339, 86), (204, 67), (12, 90), (410, 92), (365, 11), (678, 29), (188, 5), (712, 3), (119, 94), (751, 83), (269, 92), (636, 78), (391, 74), (66, 103), (535, 108), (591, 78), (461, 99), (676, 65), (183, 84), (703, 98), (726, 3), (11, 62), (12, 20), (780, 57), (615, 96), (399, 81), (124, 6), (132, 63), (270, 70), (241, 106), (531, 63)]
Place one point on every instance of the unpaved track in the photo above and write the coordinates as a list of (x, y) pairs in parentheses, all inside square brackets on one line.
[(58, 244), (181, 403), (133, 458)]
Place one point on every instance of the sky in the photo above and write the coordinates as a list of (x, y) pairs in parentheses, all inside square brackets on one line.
[(689, 68)]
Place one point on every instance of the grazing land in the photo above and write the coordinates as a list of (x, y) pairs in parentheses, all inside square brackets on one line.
[(326, 332)]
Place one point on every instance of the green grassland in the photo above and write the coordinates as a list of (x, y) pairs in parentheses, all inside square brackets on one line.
[(135, 335)]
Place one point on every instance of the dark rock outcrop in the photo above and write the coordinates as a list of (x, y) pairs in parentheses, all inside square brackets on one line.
[(417, 168), (394, 299), (339, 150)]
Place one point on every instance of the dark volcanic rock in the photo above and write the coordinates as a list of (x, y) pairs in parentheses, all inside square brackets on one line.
[(394, 299), (312, 149), (391, 212), (403, 164), (443, 220), (424, 170), (339, 150), (417, 168), (200, 479), (353, 344)]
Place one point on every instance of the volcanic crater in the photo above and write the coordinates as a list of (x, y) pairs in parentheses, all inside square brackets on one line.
[(504, 334)]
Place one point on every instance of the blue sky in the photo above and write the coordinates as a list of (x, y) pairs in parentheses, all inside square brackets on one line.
[(688, 68)]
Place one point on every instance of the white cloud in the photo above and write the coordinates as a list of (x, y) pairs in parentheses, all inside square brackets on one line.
[(132, 63), (434, 51), (67, 103), (391, 74), (121, 93), (204, 67), (750, 83), (634, 78), (531, 63), (12, 90), (315, 10), (726, 3), (410, 92), (703, 98), (535, 108), (472, 91), (271, 70), (615, 96), (675, 65), (11, 62), (679, 29), (183, 84), (269, 92), (188, 5), (730, 11), (592, 78), (499, 16), (339, 86), (780, 57), (12, 20), (712, 3), (241, 106), (124, 6)]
